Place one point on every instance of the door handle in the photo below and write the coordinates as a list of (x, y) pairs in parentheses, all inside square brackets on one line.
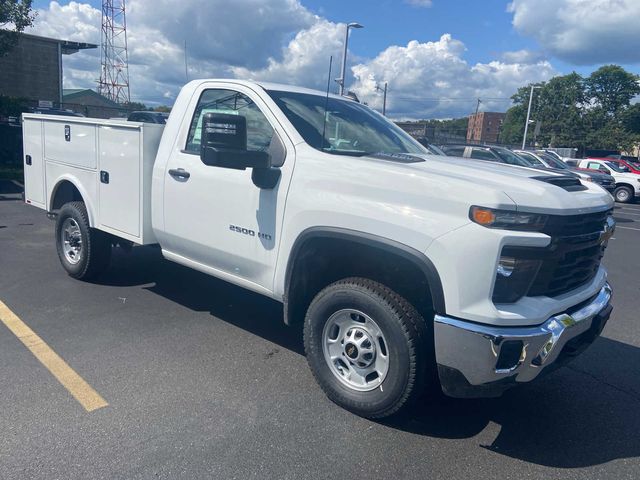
[(179, 173)]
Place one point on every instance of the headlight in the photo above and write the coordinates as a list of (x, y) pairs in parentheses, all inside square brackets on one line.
[(507, 219)]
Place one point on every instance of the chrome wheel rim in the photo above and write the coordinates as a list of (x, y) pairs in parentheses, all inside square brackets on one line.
[(355, 350), (71, 239), (622, 195)]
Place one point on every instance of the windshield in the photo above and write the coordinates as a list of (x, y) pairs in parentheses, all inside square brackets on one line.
[(617, 167), (511, 158), (554, 162), (531, 159), (350, 128)]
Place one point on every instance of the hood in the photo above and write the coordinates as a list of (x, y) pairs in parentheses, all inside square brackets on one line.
[(532, 190)]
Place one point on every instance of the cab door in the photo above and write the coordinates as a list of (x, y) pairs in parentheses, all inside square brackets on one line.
[(217, 217)]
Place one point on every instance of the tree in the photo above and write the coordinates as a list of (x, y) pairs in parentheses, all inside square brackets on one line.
[(163, 108), (611, 87), (513, 125), (559, 108), (631, 119), (135, 106), (15, 16)]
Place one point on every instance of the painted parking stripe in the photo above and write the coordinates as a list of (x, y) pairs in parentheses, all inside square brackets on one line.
[(626, 213), (74, 383), (628, 228)]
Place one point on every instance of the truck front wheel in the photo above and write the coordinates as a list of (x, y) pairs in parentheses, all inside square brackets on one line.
[(623, 194), (83, 251), (366, 346)]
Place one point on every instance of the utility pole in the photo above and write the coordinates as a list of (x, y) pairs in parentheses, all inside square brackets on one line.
[(526, 124), (344, 55), (384, 98)]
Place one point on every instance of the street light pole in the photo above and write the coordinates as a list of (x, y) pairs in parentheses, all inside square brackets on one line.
[(526, 125), (344, 55)]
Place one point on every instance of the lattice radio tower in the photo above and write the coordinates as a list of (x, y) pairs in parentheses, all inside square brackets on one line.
[(114, 73)]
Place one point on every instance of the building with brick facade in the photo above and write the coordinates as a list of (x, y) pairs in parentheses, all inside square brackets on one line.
[(485, 127), (33, 68)]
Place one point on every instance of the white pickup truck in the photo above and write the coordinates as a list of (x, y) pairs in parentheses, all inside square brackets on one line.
[(627, 183), (409, 270)]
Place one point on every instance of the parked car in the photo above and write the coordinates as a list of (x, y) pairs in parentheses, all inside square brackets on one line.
[(433, 149), (633, 167), (626, 158), (485, 152), (542, 157), (148, 117), (627, 183), (408, 271)]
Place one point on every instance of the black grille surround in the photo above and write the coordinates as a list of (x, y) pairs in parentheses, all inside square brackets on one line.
[(573, 257)]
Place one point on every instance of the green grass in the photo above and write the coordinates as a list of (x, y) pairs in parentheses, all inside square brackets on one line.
[(11, 173)]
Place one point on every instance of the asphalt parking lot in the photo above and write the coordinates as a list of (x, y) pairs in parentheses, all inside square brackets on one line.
[(202, 380)]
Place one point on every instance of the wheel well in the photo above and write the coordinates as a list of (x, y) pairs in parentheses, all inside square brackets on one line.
[(320, 261), (618, 185), (65, 192)]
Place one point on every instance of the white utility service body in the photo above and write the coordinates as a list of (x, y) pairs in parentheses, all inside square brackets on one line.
[(77, 150), (226, 222)]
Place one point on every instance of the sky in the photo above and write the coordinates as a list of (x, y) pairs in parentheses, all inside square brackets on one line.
[(437, 56)]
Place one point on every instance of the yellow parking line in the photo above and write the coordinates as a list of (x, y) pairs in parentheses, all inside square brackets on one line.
[(74, 383)]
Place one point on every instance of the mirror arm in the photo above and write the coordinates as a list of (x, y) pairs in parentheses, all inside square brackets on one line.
[(266, 178)]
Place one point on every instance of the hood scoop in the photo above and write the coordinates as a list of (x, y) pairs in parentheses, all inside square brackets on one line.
[(570, 184)]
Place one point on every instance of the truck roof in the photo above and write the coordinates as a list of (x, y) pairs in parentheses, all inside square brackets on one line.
[(280, 87)]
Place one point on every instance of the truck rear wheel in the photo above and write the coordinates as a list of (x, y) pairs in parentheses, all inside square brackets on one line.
[(83, 251), (365, 345)]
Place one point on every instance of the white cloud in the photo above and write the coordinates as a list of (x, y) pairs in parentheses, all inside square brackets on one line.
[(284, 42), (522, 56), (305, 60), (419, 3), (583, 32), (432, 80)]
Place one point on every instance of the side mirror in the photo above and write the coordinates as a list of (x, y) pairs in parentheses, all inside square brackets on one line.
[(224, 143)]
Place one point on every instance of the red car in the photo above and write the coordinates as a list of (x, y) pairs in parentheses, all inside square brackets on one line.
[(633, 167)]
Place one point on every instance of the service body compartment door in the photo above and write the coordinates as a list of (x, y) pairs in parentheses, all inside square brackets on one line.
[(119, 177), (33, 163)]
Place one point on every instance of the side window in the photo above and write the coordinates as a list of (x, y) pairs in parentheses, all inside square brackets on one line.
[(598, 166), (259, 130), (481, 154), (454, 151)]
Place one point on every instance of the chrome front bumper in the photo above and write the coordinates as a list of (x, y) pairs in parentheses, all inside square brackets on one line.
[(477, 360)]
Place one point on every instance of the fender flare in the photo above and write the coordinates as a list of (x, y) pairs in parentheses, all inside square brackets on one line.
[(416, 257), (83, 193)]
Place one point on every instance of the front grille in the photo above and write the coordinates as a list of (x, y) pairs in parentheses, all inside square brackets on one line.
[(573, 257), (567, 271)]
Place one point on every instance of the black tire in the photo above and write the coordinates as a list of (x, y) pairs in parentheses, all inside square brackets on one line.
[(623, 194), (405, 334), (95, 254)]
